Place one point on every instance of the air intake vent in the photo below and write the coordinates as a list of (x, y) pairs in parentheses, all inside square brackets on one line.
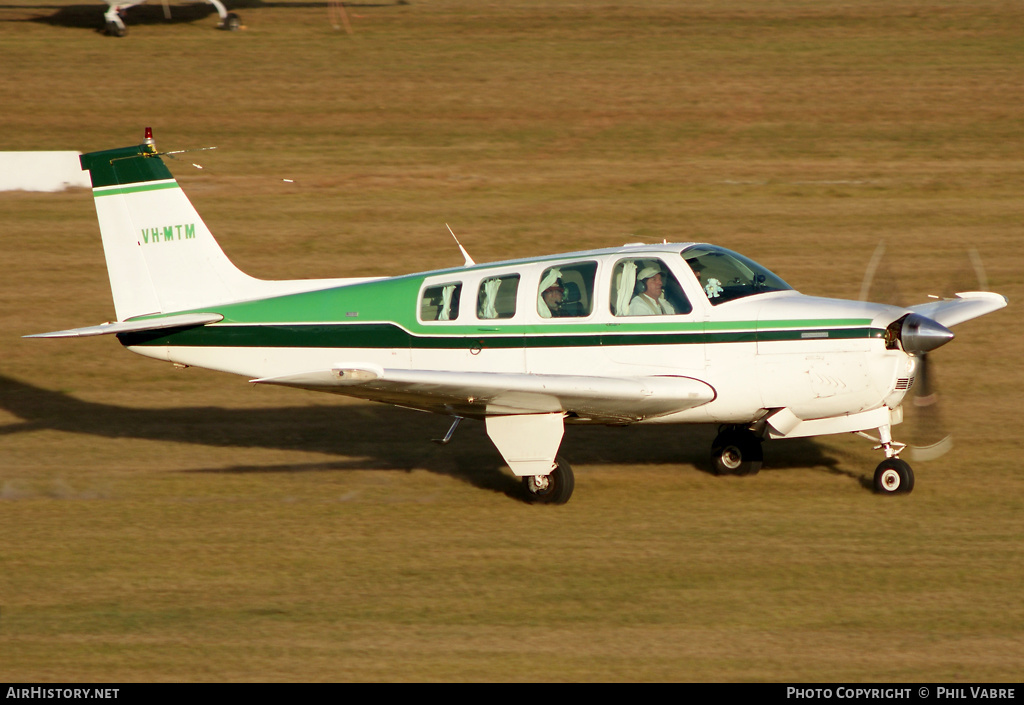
[(904, 383)]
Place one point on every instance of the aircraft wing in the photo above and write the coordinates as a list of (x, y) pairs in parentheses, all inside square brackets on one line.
[(965, 306), (481, 394)]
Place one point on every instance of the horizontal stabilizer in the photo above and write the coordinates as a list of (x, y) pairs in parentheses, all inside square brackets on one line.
[(491, 393), (966, 305), (184, 320)]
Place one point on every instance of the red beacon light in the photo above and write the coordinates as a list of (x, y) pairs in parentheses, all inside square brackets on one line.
[(149, 137)]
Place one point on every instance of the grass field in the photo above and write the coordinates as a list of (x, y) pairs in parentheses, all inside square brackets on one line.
[(164, 525)]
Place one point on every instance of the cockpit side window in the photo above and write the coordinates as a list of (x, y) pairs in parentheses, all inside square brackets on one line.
[(725, 275), (567, 291), (497, 297), (441, 302), (646, 287)]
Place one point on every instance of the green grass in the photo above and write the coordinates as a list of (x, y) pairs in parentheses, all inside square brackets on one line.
[(163, 525)]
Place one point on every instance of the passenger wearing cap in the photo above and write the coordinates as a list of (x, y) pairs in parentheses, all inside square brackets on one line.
[(549, 304), (651, 299)]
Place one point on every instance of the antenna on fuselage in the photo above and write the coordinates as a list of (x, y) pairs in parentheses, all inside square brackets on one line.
[(469, 260)]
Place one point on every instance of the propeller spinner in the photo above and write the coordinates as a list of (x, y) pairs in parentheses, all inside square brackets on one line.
[(919, 334)]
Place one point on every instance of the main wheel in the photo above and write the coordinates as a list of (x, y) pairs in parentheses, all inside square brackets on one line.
[(231, 23), (893, 476), (554, 488), (736, 451)]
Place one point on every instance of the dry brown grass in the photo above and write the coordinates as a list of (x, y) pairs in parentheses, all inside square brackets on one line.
[(163, 525)]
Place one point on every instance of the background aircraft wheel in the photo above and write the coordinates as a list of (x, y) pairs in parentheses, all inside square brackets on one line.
[(231, 23), (736, 451), (553, 488), (893, 476)]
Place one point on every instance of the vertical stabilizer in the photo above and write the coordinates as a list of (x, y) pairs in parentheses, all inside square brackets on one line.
[(160, 255)]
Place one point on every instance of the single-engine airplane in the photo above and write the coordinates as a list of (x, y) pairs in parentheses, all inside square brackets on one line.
[(115, 26), (656, 334)]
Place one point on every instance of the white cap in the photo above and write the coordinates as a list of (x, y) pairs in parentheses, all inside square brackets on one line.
[(648, 272)]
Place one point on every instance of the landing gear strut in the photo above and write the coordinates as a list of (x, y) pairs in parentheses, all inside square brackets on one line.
[(554, 488), (736, 451)]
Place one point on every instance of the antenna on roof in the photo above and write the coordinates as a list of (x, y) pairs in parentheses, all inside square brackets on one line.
[(469, 260)]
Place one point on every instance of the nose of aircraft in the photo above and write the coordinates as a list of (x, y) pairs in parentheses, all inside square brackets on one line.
[(920, 334)]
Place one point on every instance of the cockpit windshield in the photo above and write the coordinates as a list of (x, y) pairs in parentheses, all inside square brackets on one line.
[(725, 275)]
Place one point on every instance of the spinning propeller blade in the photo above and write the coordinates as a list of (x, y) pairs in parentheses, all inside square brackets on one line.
[(930, 439)]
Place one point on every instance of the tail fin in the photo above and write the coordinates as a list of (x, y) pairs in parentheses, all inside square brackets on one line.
[(161, 257)]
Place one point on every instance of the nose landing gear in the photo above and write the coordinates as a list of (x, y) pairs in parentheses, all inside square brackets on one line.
[(892, 476)]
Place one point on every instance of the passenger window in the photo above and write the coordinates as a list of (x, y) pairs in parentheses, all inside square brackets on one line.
[(497, 297), (441, 303), (567, 291), (646, 287)]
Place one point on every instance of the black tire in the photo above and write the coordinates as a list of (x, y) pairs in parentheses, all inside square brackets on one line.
[(116, 30), (893, 476), (736, 451), (554, 488), (231, 23)]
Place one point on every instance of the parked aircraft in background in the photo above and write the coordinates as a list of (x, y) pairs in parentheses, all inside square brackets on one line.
[(654, 334), (115, 25)]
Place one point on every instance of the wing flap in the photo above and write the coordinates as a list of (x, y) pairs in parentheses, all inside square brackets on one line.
[(183, 320), (493, 393), (965, 306)]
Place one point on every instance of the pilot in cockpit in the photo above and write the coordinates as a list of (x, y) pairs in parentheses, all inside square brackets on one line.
[(650, 301)]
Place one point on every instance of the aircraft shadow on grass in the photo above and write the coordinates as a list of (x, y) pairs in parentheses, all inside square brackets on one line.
[(374, 437)]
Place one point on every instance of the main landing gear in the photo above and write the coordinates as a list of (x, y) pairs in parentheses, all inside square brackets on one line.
[(554, 488), (892, 476), (736, 450)]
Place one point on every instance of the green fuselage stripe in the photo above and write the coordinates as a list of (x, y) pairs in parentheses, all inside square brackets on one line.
[(390, 335)]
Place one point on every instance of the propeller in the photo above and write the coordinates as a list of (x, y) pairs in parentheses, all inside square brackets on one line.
[(928, 433)]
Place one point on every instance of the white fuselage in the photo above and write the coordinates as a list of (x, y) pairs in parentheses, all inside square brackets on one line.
[(766, 352)]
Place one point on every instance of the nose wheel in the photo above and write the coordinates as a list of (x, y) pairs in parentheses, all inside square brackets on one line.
[(893, 476)]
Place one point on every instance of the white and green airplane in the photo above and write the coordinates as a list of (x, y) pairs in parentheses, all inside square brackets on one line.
[(654, 334)]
